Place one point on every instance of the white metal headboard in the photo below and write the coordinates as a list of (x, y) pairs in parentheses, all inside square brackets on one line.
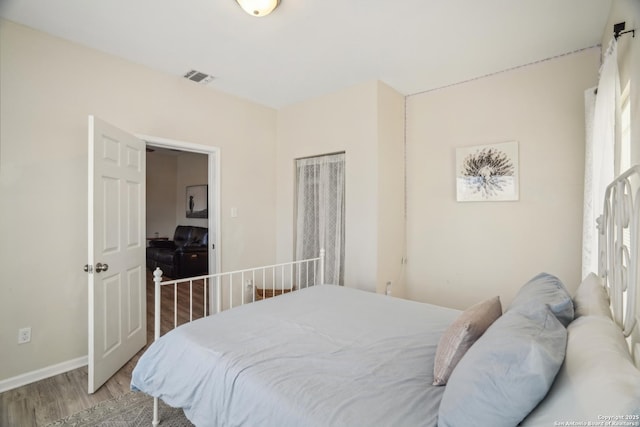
[(618, 228)]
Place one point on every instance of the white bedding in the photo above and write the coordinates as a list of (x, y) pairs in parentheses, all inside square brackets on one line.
[(334, 356)]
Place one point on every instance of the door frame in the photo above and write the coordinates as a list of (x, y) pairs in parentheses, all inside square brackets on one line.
[(213, 181)]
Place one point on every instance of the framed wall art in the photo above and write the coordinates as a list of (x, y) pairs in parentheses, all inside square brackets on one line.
[(487, 173), (197, 202)]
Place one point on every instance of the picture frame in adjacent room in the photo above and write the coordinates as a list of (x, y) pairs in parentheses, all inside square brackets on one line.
[(197, 201), (486, 173)]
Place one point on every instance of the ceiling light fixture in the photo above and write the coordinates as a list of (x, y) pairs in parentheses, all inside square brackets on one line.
[(258, 7)]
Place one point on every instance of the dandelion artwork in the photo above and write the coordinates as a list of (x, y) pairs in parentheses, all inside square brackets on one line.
[(487, 172)]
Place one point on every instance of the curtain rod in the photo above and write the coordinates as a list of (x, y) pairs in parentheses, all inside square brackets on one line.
[(625, 32), (319, 155), (618, 30)]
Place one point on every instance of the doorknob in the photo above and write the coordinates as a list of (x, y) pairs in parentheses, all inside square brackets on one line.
[(101, 267)]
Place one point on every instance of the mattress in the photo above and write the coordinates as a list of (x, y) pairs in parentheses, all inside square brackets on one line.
[(325, 355)]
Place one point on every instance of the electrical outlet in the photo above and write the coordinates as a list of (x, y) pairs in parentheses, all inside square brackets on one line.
[(24, 335)]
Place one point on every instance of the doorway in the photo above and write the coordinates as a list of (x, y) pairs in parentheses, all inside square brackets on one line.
[(320, 212), (186, 165)]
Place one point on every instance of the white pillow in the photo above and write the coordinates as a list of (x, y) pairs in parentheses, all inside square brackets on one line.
[(591, 298), (597, 379)]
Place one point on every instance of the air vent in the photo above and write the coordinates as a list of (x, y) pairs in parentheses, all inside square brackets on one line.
[(198, 77)]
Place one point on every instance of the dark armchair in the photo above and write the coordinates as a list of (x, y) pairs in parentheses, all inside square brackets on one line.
[(185, 256)]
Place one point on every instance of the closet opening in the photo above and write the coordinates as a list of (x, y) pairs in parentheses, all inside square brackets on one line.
[(320, 211)]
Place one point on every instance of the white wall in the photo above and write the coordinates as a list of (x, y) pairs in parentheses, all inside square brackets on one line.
[(48, 87), (461, 253), (349, 121)]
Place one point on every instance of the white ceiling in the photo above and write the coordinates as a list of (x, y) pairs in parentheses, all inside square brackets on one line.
[(307, 48)]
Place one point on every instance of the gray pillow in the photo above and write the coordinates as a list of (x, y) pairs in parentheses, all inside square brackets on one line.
[(460, 336), (546, 289), (507, 372)]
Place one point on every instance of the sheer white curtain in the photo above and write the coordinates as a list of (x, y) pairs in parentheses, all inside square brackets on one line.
[(602, 139), (320, 212)]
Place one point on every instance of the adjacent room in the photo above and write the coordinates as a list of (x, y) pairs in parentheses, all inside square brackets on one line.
[(239, 131)]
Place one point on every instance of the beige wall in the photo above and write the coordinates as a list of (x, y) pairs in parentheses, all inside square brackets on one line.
[(628, 11), (48, 88), (349, 121), (162, 173), (391, 214), (166, 209), (461, 253)]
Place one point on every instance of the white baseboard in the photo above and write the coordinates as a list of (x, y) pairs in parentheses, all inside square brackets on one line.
[(41, 374)]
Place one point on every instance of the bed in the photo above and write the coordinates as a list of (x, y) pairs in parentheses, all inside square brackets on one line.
[(328, 355)]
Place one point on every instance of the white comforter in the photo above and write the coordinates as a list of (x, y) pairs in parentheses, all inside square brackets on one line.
[(322, 356)]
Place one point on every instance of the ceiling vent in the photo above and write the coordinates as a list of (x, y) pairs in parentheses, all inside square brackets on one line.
[(198, 77)]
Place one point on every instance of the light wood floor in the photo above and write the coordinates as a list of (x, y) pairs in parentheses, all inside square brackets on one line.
[(45, 401)]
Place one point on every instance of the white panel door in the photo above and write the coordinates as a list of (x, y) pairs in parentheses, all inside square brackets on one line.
[(116, 262)]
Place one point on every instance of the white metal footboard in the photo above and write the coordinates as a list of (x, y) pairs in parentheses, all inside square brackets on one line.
[(214, 293)]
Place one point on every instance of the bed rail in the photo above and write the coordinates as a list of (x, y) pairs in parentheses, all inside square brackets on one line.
[(213, 293)]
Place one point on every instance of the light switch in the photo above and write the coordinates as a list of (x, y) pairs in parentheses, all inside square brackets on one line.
[(234, 212)]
